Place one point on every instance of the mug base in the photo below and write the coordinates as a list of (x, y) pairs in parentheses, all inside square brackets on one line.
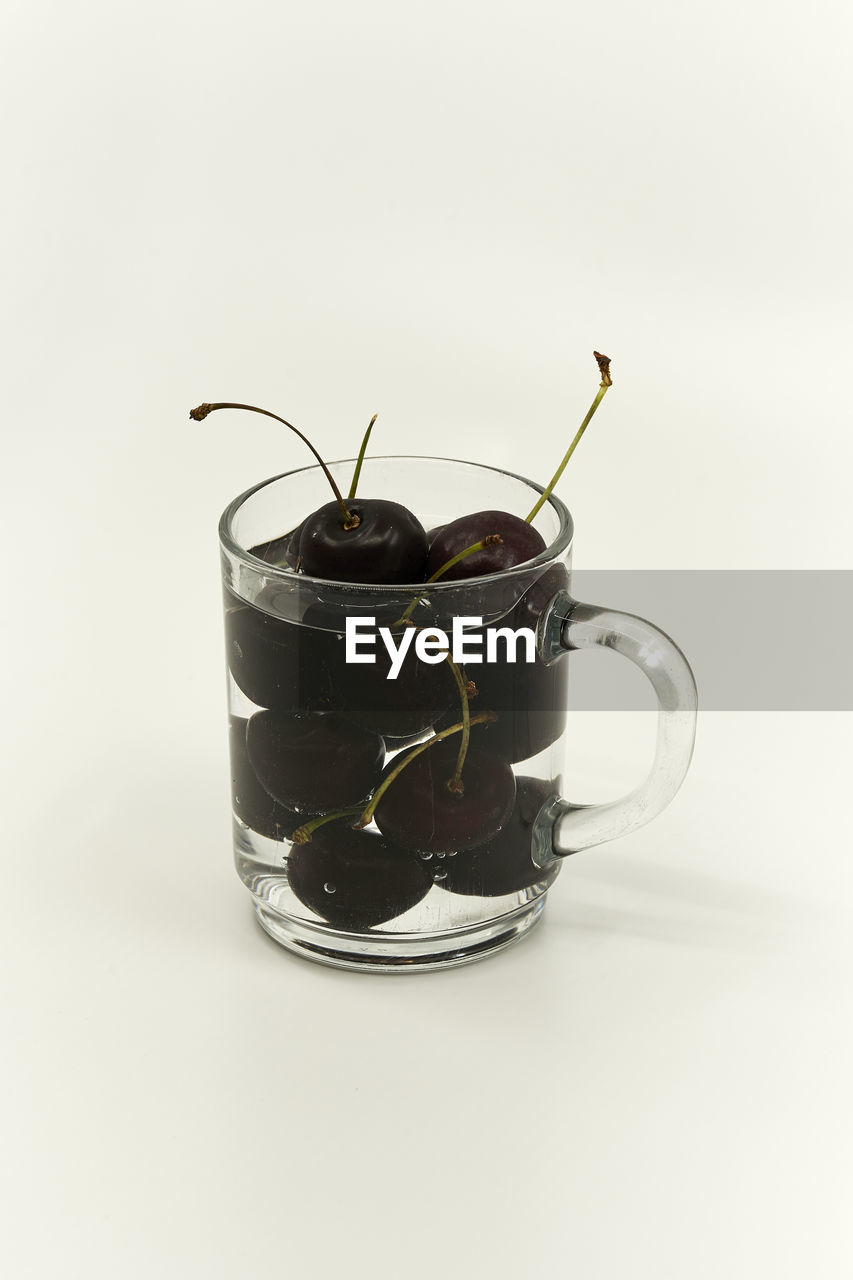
[(401, 952)]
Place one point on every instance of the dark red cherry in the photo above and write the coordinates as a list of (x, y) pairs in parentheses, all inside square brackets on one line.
[(252, 803), (274, 662), (530, 699), (399, 708), (504, 863), (389, 545), (419, 811), (317, 761), (519, 543), (356, 879)]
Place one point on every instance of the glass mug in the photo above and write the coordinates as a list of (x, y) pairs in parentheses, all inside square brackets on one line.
[(313, 735)]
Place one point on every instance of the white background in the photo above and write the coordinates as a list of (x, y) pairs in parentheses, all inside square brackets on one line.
[(434, 211)]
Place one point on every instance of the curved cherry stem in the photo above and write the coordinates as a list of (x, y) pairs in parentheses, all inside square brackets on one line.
[(302, 835), (360, 459), (485, 717), (351, 520), (455, 784), (606, 381)]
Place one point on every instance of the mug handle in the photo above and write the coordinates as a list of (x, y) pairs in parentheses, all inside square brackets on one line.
[(563, 828)]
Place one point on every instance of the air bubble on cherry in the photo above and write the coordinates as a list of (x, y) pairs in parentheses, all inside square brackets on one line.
[(329, 887)]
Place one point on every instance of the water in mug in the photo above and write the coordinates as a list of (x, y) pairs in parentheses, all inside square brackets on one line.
[(311, 734)]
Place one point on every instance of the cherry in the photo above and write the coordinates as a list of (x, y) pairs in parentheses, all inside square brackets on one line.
[(529, 698), (530, 702), (316, 761), (276, 663), (419, 811), (504, 863), (356, 879), (252, 803), (399, 708), (519, 542), (363, 540), (388, 545)]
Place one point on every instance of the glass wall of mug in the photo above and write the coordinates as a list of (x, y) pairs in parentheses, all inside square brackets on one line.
[(350, 858)]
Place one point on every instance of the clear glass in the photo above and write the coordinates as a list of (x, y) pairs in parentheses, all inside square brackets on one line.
[(311, 734)]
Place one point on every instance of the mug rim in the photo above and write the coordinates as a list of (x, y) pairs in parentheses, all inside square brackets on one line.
[(555, 549)]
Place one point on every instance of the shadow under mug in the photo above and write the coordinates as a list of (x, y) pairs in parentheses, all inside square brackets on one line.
[(312, 735)]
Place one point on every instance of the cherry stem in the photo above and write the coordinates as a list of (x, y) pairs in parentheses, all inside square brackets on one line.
[(302, 835), (455, 784), (606, 381), (485, 717), (351, 520), (360, 460), (493, 540)]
